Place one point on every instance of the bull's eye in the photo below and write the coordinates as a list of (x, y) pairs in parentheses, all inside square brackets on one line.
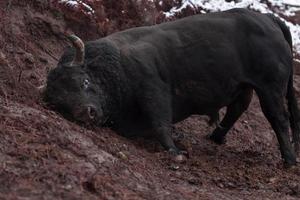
[(85, 83)]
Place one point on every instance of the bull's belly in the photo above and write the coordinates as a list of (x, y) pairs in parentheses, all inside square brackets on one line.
[(201, 101), (182, 110)]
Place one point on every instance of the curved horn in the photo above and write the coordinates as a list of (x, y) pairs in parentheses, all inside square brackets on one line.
[(79, 46)]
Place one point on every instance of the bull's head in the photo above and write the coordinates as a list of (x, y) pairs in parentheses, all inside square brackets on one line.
[(71, 88)]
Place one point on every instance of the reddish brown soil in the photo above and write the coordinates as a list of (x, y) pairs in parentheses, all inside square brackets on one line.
[(44, 156)]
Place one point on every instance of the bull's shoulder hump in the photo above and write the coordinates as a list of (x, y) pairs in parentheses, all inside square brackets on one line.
[(100, 47), (228, 22)]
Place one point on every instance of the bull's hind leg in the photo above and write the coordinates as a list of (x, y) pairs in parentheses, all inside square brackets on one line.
[(234, 111), (272, 104)]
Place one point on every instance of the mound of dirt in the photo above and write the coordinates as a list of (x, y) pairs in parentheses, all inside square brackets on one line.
[(44, 156)]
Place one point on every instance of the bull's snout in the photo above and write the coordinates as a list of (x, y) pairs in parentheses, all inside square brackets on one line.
[(91, 112), (87, 114)]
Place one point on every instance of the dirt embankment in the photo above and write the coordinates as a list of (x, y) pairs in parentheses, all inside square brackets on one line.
[(44, 156)]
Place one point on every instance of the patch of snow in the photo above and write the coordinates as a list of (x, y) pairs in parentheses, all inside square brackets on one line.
[(71, 3), (295, 31), (89, 8), (292, 2), (78, 3)]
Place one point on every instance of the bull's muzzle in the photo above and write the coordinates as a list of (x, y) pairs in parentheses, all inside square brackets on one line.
[(91, 112), (87, 114)]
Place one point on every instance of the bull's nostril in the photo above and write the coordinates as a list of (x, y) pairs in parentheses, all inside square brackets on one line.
[(91, 112)]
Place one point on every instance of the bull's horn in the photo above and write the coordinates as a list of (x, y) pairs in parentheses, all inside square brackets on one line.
[(79, 46)]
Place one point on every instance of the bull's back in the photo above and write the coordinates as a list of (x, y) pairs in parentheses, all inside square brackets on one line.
[(197, 43), (206, 58)]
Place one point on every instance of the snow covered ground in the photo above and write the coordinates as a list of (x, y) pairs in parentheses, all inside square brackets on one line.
[(283, 7), (76, 4)]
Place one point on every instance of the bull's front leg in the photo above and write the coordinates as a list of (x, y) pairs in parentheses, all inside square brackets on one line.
[(155, 103), (163, 135)]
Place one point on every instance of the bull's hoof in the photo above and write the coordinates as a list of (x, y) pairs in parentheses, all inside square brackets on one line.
[(289, 164), (176, 151), (216, 139), (178, 156)]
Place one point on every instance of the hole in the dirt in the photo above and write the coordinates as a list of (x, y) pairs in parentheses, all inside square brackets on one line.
[(89, 186)]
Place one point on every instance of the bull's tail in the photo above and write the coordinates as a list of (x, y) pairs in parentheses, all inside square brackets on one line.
[(291, 99), (294, 113), (285, 30)]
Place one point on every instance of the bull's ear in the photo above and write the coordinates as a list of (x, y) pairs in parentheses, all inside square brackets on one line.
[(80, 50)]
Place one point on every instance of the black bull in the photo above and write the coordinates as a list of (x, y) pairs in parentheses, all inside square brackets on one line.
[(147, 78)]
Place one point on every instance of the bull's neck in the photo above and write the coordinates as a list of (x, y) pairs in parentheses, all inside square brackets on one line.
[(113, 83)]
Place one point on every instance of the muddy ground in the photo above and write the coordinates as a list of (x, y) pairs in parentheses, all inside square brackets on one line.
[(44, 156)]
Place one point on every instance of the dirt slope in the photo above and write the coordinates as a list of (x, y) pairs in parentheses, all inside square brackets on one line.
[(44, 156)]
